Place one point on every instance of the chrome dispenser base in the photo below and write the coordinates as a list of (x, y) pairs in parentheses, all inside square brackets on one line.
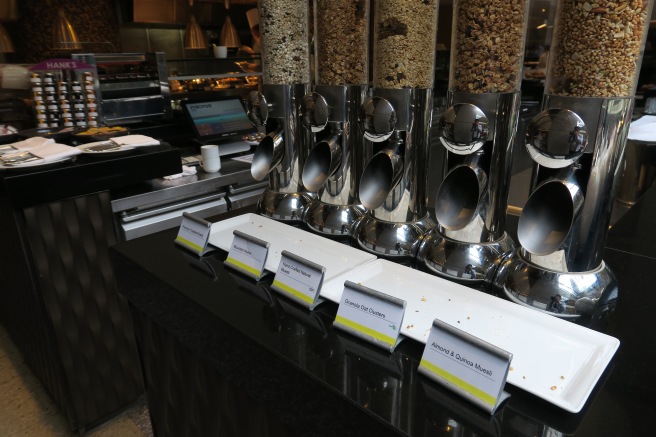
[(332, 221), (582, 294), (392, 240), (450, 259), (285, 207)]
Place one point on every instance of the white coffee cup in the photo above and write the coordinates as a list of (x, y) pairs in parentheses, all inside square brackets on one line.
[(220, 51), (210, 161)]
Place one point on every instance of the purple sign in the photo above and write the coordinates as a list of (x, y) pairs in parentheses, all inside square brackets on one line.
[(61, 64)]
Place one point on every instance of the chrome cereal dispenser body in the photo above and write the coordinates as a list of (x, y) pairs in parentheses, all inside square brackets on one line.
[(577, 143), (396, 121), (478, 130), (286, 76), (330, 112)]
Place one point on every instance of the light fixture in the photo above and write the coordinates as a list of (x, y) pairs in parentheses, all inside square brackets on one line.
[(229, 35), (542, 26), (63, 34), (194, 37), (6, 45)]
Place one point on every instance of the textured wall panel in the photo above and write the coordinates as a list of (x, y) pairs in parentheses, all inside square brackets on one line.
[(91, 323), (22, 310)]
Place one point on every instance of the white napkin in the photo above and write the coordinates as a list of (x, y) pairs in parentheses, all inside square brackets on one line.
[(643, 129), (53, 152), (135, 140), (186, 171), (32, 143)]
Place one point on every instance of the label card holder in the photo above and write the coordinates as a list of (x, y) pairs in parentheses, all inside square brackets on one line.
[(247, 255), (194, 233), (371, 315), (465, 364), (299, 279)]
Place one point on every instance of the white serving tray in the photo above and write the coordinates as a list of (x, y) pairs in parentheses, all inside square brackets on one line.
[(337, 258), (553, 359)]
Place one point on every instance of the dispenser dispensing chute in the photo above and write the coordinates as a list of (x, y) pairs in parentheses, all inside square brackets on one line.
[(395, 121), (577, 143), (478, 130), (280, 156), (330, 112)]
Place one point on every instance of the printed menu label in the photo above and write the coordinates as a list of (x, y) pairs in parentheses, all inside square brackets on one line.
[(467, 365), (247, 254), (371, 315), (193, 234), (299, 279)]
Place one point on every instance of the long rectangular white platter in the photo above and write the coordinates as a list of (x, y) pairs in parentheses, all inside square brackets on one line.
[(553, 359), (337, 258)]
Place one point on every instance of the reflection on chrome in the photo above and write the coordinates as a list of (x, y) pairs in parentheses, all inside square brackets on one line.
[(556, 138), (335, 163), (282, 153)]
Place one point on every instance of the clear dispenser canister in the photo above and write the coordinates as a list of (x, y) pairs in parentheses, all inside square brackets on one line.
[(285, 43), (596, 48), (488, 45), (342, 42), (404, 43)]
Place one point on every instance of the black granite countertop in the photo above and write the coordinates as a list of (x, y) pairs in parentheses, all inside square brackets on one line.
[(88, 174), (320, 381)]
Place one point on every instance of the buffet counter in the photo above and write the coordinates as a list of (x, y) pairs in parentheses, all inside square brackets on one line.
[(58, 299), (224, 355)]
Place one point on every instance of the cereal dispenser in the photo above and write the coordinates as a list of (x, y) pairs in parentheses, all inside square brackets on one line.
[(395, 121), (286, 77), (330, 112), (478, 130), (577, 143)]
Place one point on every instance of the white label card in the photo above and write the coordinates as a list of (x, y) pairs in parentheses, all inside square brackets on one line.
[(193, 234), (299, 279), (371, 315), (247, 254), (466, 365)]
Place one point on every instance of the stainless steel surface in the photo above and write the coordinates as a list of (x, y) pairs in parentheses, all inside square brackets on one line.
[(382, 176), (158, 204), (462, 195), (549, 213), (569, 235), (556, 138), (314, 112), (464, 128), (141, 94), (462, 261), (396, 240), (324, 160), (572, 295), (257, 108), (478, 131), (377, 119), (268, 154), (288, 207), (285, 198), (394, 182), (335, 163), (158, 219), (563, 227), (162, 191)]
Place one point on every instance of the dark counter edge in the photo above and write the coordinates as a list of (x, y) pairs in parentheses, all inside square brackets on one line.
[(89, 174)]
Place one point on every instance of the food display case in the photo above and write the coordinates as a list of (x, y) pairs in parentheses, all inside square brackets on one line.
[(198, 77)]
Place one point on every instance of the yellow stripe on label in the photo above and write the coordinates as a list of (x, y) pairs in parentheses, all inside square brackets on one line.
[(296, 293), (189, 243), (244, 267), (474, 391), (368, 331)]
